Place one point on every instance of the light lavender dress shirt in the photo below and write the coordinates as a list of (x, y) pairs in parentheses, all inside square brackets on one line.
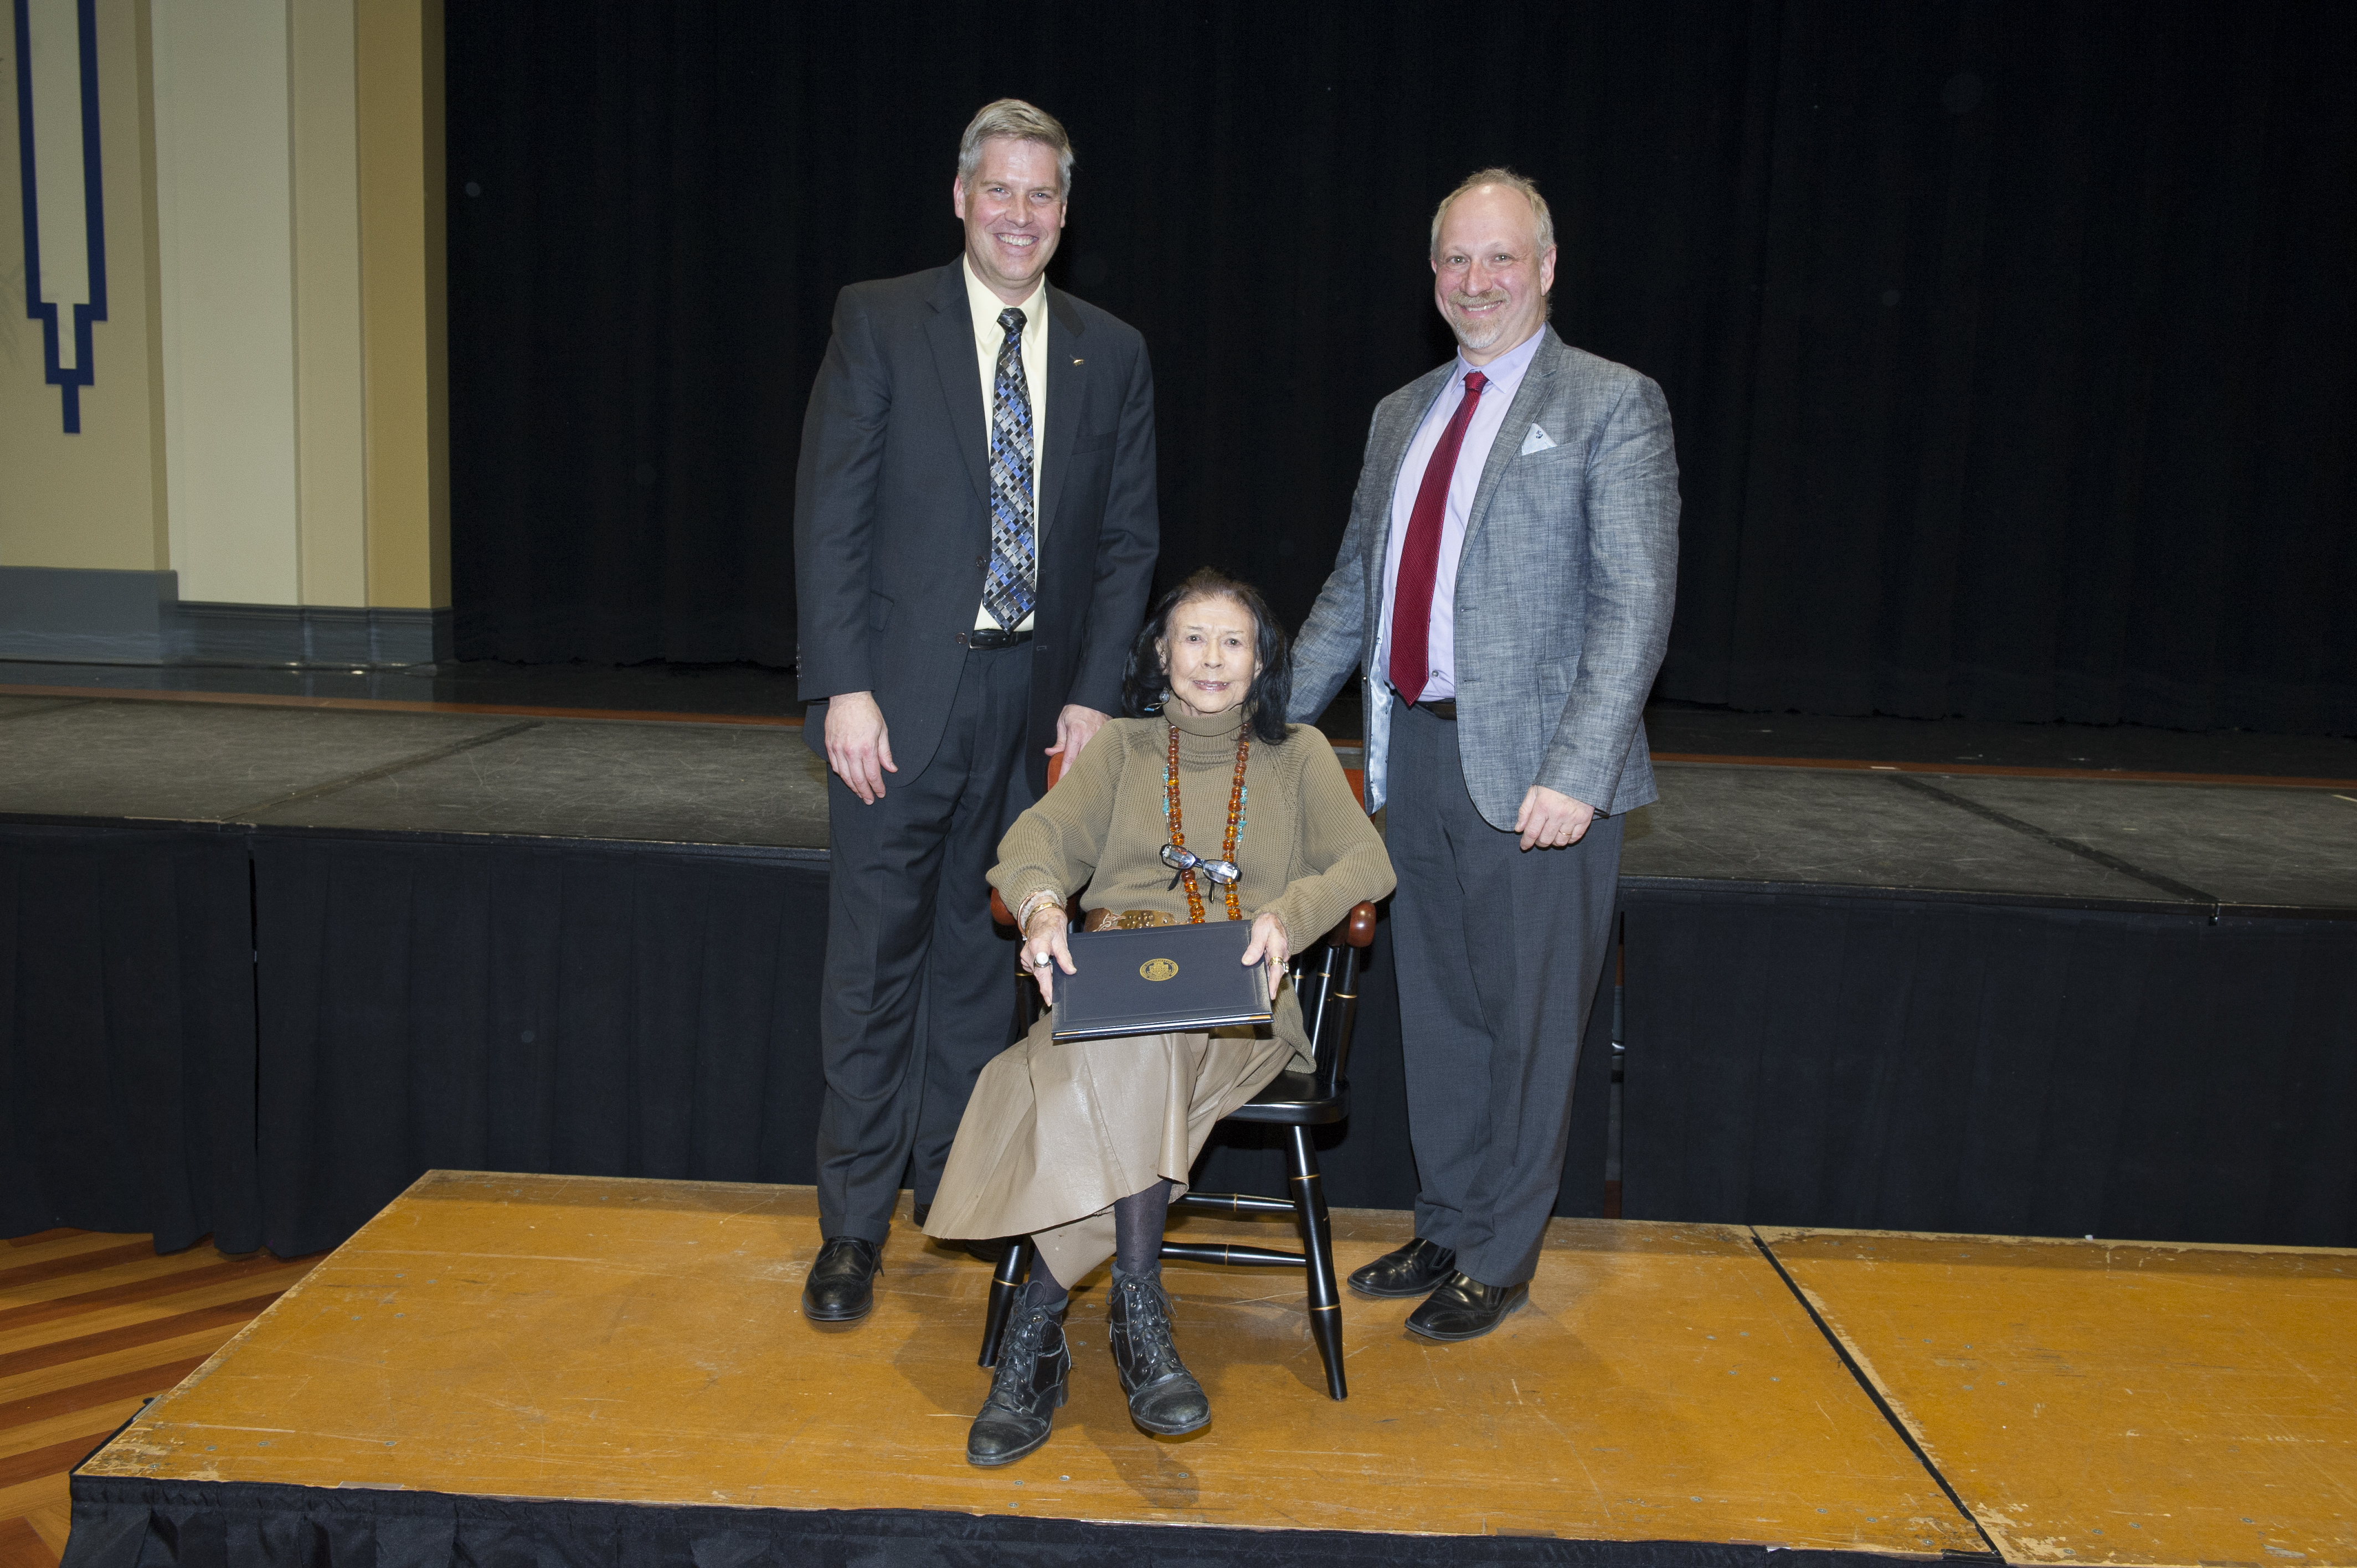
[(1503, 374)]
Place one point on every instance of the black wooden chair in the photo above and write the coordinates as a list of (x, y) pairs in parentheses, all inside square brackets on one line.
[(1326, 979)]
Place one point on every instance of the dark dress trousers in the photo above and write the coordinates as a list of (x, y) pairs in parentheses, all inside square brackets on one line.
[(891, 539), (1564, 586)]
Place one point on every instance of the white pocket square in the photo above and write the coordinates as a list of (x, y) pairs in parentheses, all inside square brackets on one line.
[(1537, 441)]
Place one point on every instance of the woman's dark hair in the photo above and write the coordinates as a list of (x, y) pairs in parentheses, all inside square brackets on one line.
[(1146, 681)]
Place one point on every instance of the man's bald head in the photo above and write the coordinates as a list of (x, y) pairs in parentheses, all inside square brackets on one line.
[(1542, 221)]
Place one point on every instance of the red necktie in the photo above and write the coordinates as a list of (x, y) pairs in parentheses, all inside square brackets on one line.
[(1420, 557)]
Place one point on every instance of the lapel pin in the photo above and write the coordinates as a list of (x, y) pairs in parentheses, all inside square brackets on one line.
[(1077, 361)]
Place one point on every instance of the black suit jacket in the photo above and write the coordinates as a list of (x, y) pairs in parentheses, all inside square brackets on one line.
[(892, 510)]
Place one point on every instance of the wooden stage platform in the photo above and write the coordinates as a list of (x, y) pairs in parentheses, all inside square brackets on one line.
[(615, 1351)]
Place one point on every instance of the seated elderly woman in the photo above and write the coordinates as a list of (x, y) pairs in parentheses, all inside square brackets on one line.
[(1081, 1145)]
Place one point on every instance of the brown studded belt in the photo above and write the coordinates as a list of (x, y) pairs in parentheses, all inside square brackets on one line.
[(1126, 920)]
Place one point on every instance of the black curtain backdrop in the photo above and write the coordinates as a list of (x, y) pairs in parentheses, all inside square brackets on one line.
[(126, 1033), (514, 1007), (268, 1033), (123, 1522), (615, 1012), (2010, 347), (1848, 1059)]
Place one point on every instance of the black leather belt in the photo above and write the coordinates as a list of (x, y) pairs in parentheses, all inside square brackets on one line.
[(993, 637), (1443, 708)]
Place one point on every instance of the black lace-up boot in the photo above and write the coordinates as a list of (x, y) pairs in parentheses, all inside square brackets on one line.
[(1034, 1373), (1164, 1397)]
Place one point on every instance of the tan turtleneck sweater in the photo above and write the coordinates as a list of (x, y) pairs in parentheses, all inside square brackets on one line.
[(1307, 850)]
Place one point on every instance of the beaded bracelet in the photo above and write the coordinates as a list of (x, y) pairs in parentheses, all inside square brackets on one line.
[(1033, 905)]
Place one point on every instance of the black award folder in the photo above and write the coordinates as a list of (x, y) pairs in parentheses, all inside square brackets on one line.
[(1160, 978)]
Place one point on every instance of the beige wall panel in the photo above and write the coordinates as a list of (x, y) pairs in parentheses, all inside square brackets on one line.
[(223, 160), (434, 120), (151, 294), (398, 49), (89, 499), (329, 435)]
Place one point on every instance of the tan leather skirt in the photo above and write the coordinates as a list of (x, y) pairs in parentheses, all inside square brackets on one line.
[(1056, 1132)]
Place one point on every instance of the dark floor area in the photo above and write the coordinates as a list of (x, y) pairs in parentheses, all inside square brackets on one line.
[(734, 689), (731, 784), (1680, 729), (1677, 729)]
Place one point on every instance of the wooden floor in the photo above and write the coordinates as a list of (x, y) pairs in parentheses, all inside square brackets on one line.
[(2096, 1402), (641, 1341), (90, 1324)]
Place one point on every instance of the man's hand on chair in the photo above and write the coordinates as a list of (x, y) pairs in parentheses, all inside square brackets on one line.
[(1075, 727)]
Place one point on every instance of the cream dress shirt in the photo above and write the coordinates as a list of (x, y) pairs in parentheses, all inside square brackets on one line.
[(987, 336)]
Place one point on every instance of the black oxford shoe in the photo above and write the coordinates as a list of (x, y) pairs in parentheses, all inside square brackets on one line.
[(841, 1287), (1411, 1270), (990, 1251), (1465, 1308)]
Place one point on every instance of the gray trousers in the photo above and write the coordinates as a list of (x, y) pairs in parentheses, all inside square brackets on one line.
[(918, 989), (1498, 952)]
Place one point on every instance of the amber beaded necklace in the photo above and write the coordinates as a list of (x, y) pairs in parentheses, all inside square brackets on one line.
[(1235, 821)]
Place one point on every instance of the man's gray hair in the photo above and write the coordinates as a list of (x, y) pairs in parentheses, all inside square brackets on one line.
[(1511, 181), (1013, 117)]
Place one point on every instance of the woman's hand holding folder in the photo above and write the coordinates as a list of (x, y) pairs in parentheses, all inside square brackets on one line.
[(1269, 944), (1045, 947)]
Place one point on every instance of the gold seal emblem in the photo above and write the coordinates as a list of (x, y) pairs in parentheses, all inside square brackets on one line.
[(1157, 969)]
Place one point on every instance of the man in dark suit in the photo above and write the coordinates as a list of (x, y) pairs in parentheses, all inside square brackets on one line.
[(1505, 584), (975, 533)]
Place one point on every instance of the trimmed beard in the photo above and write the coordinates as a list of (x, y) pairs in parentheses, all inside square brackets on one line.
[(1457, 324)]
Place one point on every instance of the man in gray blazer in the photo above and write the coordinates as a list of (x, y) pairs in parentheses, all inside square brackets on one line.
[(975, 533), (1505, 584)]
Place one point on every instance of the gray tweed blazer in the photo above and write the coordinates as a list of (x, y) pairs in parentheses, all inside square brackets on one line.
[(1564, 591)]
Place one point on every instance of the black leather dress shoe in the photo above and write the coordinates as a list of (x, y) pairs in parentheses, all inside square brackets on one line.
[(1411, 1270), (841, 1287), (990, 1251), (1465, 1308)]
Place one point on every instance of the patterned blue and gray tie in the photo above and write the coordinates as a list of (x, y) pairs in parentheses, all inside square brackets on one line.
[(1012, 587)]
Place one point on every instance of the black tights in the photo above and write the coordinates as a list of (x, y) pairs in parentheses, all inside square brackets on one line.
[(1137, 1222)]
